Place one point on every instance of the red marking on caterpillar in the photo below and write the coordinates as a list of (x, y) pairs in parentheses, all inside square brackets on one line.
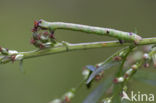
[(34, 30), (46, 34), (39, 37), (32, 41), (13, 58), (36, 23), (41, 46), (52, 36)]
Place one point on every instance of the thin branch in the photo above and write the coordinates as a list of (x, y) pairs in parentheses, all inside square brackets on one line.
[(118, 87), (83, 46), (66, 47)]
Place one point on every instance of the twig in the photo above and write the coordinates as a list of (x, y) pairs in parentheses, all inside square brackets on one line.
[(83, 46), (79, 46)]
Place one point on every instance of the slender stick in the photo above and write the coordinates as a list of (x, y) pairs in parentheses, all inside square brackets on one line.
[(129, 36), (82, 46), (62, 47)]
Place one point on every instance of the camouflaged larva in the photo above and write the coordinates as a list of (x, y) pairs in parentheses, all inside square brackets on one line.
[(128, 36)]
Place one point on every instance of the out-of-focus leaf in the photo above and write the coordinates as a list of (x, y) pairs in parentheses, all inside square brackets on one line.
[(91, 67), (146, 77), (21, 66), (95, 95), (116, 93), (103, 67), (125, 101)]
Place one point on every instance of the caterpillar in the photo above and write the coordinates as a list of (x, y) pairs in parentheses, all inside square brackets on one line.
[(121, 35)]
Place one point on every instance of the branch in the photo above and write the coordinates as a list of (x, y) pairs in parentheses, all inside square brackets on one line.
[(66, 47), (83, 46)]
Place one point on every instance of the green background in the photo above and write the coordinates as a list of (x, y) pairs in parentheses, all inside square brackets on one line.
[(49, 77)]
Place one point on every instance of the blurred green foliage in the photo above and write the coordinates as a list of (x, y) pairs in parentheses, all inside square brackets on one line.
[(49, 77)]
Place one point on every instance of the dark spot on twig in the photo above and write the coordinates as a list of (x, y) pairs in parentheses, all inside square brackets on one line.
[(7, 49), (34, 30), (107, 31), (40, 21), (41, 46), (46, 34), (32, 41), (52, 35), (135, 42), (117, 58), (121, 41), (115, 80), (36, 25)]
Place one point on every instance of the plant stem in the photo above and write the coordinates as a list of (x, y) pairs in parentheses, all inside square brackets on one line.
[(82, 46), (62, 47), (118, 87)]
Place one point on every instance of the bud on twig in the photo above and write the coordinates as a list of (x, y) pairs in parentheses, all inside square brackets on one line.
[(146, 65), (85, 73), (146, 56), (117, 58), (4, 51), (134, 66), (128, 73), (68, 96), (118, 80)]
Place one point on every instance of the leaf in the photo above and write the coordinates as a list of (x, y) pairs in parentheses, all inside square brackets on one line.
[(116, 93), (146, 77), (91, 67), (108, 63), (125, 101), (95, 95), (21, 66), (103, 67)]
